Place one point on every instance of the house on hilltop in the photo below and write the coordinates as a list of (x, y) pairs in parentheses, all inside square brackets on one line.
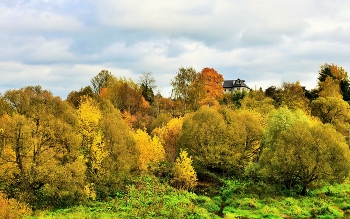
[(233, 85)]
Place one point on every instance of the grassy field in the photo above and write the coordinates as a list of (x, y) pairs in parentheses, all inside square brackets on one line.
[(148, 198)]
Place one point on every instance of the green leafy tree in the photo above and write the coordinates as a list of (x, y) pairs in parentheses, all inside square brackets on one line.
[(250, 123), (304, 153), (233, 100), (219, 141), (280, 120), (182, 84), (104, 79)]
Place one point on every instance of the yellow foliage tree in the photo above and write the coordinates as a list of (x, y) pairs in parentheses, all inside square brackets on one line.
[(258, 101), (333, 82), (332, 110), (293, 96), (185, 176), (329, 88), (150, 150), (169, 134), (89, 116), (39, 150), (306, 153)]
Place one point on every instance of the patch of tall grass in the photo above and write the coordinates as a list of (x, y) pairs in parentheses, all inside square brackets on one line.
[(244, 200), (145, 198)]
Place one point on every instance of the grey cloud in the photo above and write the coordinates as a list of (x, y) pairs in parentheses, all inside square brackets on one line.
[(62, 44)]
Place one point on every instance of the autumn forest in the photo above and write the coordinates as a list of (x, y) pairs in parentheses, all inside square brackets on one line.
[(117, 148)]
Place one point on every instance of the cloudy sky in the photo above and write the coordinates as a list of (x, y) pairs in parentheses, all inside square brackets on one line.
[(62, 44)]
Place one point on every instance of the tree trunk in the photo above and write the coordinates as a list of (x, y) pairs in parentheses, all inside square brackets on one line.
[(304, 191)]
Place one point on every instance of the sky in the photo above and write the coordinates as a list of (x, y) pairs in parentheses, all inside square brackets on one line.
[(62, 44)]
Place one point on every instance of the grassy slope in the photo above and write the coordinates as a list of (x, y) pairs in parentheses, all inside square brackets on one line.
[(148, 198), (261, 201)]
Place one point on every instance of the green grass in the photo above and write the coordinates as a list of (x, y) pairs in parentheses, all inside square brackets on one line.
[(244, 201), (148, 198)]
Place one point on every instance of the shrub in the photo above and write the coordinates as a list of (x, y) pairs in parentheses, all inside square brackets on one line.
[(185, 176), (12, 209)]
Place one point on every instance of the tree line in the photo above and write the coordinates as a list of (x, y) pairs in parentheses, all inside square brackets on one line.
[(56, 152)]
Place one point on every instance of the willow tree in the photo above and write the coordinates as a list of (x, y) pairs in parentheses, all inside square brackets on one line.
[(219, 141), (39, 156), (300, 151)]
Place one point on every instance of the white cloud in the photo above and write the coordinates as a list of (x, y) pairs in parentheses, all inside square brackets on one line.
[(36, 50), (63, 44), (22, 20)]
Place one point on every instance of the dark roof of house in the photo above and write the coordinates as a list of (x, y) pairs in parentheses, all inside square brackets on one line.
[(234, 83)]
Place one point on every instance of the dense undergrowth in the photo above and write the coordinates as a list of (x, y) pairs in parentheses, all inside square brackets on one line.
[(147, 197)]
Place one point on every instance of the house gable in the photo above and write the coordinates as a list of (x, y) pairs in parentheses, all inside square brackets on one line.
[(233, 85)]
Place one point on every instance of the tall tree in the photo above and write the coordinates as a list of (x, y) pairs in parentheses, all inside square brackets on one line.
[(250, 124), (104, 79), (182, 84), (211, 82), (329, 88), (118, 141), (293, 96), (74, 97), (332, 73), (40, 159), (92, 144), (147, 85)]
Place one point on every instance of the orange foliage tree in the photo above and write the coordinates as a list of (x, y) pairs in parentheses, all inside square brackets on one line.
[(11, 208), (210, 82)]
